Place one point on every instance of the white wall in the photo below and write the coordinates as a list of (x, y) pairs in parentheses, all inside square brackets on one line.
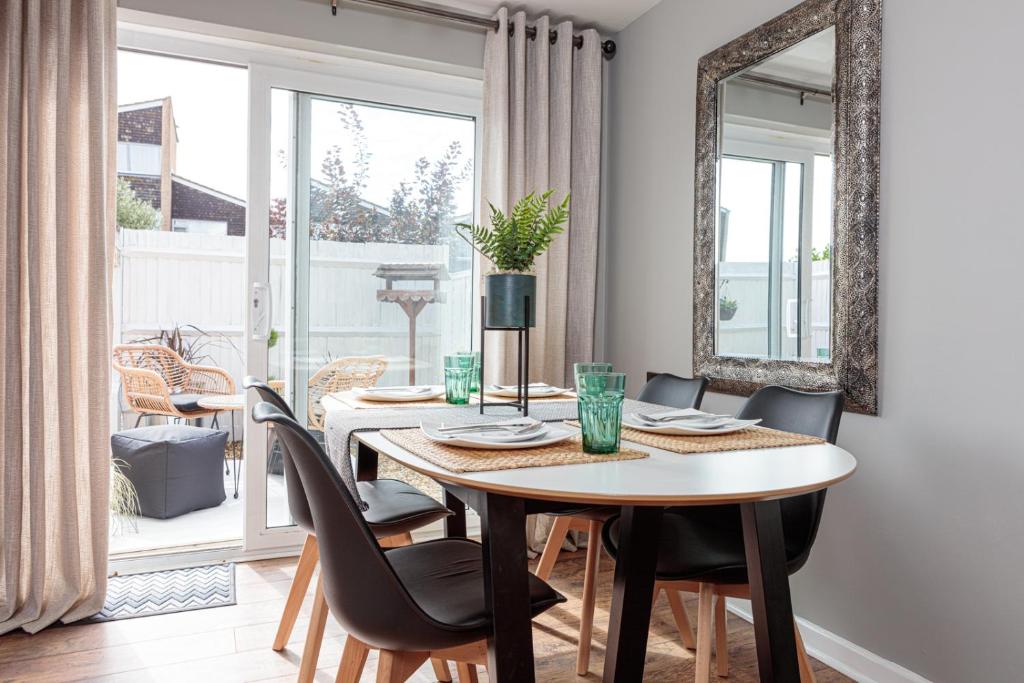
[(920, 553), (353, 27)]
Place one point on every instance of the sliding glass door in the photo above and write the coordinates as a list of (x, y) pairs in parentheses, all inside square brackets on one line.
[(358, 275)]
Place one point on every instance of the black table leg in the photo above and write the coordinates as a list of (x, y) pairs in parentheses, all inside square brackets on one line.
[(639, 537), (366, 462), (507, 588), (455, 524), (769, 592)]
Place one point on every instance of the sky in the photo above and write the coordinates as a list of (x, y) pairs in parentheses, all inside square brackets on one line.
[(210, 105)]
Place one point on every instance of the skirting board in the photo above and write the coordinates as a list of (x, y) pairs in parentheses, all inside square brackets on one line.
[(840, 654)]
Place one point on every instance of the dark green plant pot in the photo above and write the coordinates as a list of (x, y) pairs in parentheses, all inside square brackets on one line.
[(505, 299)]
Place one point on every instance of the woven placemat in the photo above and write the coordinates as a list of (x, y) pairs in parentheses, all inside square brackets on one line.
[(455, 459), (352, 401), (743, 440)]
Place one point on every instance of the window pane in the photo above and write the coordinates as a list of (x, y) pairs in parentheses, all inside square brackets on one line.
[(364, 200), (744, 247)]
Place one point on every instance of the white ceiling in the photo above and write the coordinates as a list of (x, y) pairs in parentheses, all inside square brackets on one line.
[(607, 15), (809, 62)]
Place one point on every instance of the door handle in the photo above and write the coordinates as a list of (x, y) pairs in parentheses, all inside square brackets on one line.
[(262, 311)]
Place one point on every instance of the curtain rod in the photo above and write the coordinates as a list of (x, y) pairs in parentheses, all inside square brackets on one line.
[(786, 85), (608, 47)]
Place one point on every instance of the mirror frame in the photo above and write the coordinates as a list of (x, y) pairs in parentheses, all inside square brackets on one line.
[(853, 366)]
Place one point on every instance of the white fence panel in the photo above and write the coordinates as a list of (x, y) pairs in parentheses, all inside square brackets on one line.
[(747, 332), (171, 279)]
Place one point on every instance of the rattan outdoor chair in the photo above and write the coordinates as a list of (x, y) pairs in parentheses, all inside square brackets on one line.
[(341, 375), (157, 381)]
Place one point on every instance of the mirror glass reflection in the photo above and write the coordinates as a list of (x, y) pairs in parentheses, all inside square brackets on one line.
[(775, 208)]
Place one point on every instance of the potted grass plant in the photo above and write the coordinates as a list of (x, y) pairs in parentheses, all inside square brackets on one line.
[(512, 243)]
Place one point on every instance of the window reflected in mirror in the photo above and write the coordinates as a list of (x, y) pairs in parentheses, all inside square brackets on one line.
[(774, 233)]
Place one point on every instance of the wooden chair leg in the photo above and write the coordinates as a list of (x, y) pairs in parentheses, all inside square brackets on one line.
[(589, 597), (353, 659), (806, 671), (675, 601), (721, 638), (300, 584), (554, 544), (467, 672), (441, 671), (397, 667), (315, 635), (705, 607)]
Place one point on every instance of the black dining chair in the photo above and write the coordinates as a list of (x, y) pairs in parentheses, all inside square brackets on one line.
[(663, 389), (702, 548), (410, 602), (395, 509), (666, 389)]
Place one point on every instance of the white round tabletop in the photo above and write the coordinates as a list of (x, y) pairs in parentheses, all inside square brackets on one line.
[(665, 478), (223, 402)]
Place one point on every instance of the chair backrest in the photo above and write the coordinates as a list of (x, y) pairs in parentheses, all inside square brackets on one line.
[(341, 375), (156, 357), (802, 412), (298, 506), (671, 390), (362, 590)]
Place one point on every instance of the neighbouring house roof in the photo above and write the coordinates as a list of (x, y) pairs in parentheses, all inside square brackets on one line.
[(134, 106), (151, 104), (208, 190)]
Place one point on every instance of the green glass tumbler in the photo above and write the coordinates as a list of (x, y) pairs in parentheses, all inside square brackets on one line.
[(475, 382), (577, 368), (458, 376), (600, 402)]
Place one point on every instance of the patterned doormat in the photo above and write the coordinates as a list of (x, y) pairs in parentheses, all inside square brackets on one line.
[(166, 592)]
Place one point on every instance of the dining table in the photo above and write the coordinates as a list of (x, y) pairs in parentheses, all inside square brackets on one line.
[(755, 479)]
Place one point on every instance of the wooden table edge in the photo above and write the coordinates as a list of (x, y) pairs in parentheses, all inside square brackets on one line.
[(562, 497)]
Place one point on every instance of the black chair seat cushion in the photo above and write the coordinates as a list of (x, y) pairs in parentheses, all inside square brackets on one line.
[(445, 578), (704, 544), (396, 507), (189, 403)]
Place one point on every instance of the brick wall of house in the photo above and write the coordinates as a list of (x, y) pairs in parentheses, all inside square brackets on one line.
[(188, 202), (140, 125), (146, 187)]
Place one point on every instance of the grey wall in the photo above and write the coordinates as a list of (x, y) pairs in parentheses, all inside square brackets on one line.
[(920, 553), (354, 26)]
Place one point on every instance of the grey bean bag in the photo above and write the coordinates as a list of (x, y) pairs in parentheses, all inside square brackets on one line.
[(175, 469)]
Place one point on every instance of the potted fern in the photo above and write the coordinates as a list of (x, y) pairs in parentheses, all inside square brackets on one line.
[(512, 243)]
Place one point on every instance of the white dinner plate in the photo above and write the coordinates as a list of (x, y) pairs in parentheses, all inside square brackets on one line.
[(708, 427), (400, 394), (551, 434), (534, 391)]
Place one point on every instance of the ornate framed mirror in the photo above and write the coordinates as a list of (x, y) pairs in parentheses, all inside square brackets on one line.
[(786, 206)]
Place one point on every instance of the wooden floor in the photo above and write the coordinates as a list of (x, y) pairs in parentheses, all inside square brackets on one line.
[(229, 644)]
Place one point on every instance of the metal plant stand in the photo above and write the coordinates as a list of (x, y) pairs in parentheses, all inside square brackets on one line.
[(522, 402)]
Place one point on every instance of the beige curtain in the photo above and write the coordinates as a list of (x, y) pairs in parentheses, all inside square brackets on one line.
[(57, 146), (542, 130)]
